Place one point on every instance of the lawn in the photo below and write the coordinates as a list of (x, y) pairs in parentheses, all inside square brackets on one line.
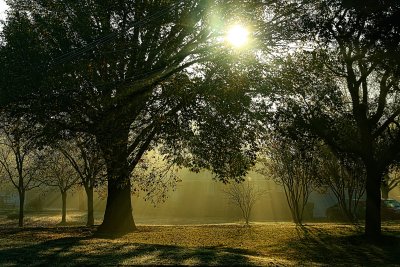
[(266, 244)]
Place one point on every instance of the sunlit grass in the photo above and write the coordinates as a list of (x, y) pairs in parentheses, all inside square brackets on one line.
[(46, 218), (266, 244)]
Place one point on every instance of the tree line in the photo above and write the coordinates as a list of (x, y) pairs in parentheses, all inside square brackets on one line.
[(155, 74)]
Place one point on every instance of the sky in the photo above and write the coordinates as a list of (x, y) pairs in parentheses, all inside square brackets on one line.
[(3, 7)]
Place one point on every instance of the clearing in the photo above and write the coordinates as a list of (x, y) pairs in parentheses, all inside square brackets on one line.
[(265, 244)]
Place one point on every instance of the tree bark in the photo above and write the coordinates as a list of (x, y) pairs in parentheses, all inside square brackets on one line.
[(90, 214), (385, 191), (118, 218), (64, 207), (373, 205), (21, 208)]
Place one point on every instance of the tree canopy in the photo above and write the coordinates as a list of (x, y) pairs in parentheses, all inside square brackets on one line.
[(340, 83), (135, 75)]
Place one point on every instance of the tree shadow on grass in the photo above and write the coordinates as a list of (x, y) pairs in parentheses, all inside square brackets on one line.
[(86, 250), (317, 246)]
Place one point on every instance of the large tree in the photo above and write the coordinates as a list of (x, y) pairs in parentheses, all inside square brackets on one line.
[(119, 70), (343, 83)]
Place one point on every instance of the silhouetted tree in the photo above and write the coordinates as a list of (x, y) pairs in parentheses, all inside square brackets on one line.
[(244, 196), (58, 172), (343, 83), (19, 160), (292, 165), (120, 72), (85, 157), (345, 176)]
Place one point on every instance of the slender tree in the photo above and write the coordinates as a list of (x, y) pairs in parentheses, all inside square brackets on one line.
[(345, 177), (293, 167), (85, 157), (58, 172), (18, 159), (244, 196)]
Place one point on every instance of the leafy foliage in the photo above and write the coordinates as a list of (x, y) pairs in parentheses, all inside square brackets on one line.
[(154, 177), (295, 168), (58, 172), (342, 84), (134, 75), (20, 162), (346, 177)]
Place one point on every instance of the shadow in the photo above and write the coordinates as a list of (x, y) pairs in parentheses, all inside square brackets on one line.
[(90, 250), (310, 245), (343, 250)]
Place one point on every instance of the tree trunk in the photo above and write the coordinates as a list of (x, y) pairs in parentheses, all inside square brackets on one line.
[(118, 218), (90, 215), (294, 209), (385, 189), (21, 207), (64, 207), (373, 205)]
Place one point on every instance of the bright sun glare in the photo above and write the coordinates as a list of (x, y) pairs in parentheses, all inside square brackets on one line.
[(237, 36)]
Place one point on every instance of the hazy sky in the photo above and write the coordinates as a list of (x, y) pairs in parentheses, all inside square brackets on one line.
[(2, 9)]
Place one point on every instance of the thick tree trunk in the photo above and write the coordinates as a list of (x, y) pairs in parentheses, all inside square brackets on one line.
[(21, 208), (64, 207), (373, 205), (118, 218), (90, 215)]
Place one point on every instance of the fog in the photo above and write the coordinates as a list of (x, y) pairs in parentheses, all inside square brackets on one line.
[(198, 199)]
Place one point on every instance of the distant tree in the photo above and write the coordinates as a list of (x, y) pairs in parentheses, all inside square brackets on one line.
[(346, 177), (85, 157), (19, 160), (390, 181), (293, 167), (58, 172), (244, 196)]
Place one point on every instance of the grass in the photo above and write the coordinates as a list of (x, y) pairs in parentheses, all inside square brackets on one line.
[(262, 244)]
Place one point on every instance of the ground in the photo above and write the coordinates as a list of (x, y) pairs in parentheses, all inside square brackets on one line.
[(43, 242)]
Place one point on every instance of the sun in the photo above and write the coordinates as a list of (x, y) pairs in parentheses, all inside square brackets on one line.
[(237, 36)]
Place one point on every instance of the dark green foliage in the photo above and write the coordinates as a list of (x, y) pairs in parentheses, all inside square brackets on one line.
[(342, 84), (119, 70)]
